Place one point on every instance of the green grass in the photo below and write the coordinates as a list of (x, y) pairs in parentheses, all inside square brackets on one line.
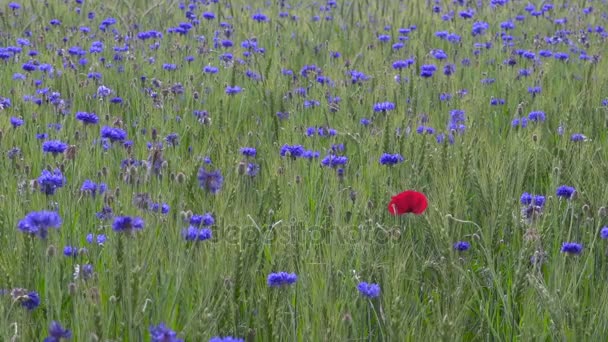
[(295, 215)]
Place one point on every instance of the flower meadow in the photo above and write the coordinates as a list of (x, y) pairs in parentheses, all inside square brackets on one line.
[(222, 170)]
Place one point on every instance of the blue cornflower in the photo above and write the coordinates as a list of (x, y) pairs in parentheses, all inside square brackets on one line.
[(57, 332), (479, 28), (462, 246), (535, 90), (365, 122), (5, 102), (16, 122), (50, 182), (193, 234), (190, 233), (163, 208), (439, 54), (29, 67), (205, 220), (89, 187), (294, 151), (526, 198), (572, 248), (38, 222), (357, 77), (578, 137), (70, 251), (210, 69), (30, 301), (369, 290), (226, 339), (536, 116), (103, 91), (604, 233), (259, 17), (391, 159), (497, 102), (87, 118), (539, 200), (449, 69), (211, 181), (54, 146), (565, 191), (127, 224), (99, 239), (86, 271), (249, 151), (281, 279), (113, 133), (204, 234), (106, 213), (252, 169), (162, 333), (233, 90), (562, 56), (384, 107), (427, 70), (402, 64), (384, 38), (334, 161)]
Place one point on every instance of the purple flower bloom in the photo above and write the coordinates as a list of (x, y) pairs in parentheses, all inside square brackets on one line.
[(211, 181), (57, 332), (294, 151), (391, 159), (384, 107), (87, 118), (369, 290), (565, 191), (70, 251), (127, 224), (427, 70), (38, 222), (578, 137), (50, 182), (113, 133), (281, 279), (16, 122), (249, 151), (334, 161), (162, 333), (54, 146), (89, 187), (30, 301), (260, 17), (572, 248), (233, 90), (204, 234), (252, 169), (205, 220), (402, 64), (226, 339), (536, 116), (103, 91), (526, 199), (604, 233), (462, 246)]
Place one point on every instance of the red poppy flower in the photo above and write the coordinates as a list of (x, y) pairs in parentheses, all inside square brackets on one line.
[(409, 201)]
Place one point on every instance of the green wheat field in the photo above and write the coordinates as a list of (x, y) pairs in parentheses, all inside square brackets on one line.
[(162, 160)]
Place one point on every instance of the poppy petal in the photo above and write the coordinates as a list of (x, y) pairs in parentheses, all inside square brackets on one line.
[(408, 202)]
